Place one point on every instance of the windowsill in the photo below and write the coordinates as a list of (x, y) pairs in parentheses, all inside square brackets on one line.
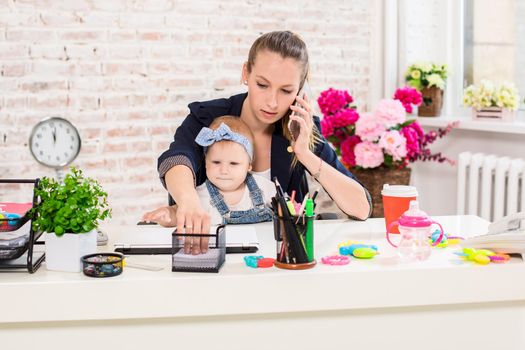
[(466, 123)]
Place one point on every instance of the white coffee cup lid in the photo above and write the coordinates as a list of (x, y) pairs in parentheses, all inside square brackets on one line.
[(399, 191)]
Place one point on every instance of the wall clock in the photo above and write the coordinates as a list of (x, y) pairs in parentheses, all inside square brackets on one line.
[(54, 142)]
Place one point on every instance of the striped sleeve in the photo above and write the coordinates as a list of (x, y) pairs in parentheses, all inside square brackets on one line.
[(170, 162)]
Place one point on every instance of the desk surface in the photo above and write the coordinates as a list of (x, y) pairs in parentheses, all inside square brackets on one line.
[(237, 289)]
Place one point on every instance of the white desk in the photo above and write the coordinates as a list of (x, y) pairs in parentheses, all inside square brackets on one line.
[(368, 303)]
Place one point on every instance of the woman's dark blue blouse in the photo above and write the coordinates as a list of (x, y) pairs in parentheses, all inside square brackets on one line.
[(184, 150)]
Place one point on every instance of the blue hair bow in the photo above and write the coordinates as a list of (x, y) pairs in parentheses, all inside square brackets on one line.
[(208, 137)]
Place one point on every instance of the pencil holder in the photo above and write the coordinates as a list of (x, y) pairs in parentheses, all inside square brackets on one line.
[(211, 261), (295, 242)]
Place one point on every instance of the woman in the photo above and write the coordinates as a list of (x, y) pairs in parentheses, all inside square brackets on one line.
[(275, 72)]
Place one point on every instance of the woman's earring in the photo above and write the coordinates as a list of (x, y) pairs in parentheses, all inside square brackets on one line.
[(245, 82)]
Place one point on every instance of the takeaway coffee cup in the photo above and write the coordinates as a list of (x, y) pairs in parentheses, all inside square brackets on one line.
[(396, 200)]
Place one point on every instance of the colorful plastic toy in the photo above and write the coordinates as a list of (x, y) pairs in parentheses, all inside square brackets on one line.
[(251, 260), (361, 251), (335, 260), (482, 256), (446, 241)]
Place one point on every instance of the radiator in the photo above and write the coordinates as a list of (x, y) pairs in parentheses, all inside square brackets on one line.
[(490, 186)]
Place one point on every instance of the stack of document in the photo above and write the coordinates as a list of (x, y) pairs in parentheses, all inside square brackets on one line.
[(506, 235), (190, 262), (509, 242)]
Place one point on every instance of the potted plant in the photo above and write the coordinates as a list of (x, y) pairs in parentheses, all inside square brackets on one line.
[(69, 213), (377, 146), (429, 79), (491, 102)]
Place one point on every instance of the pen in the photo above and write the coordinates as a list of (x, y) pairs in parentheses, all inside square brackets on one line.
[(301, 209), (309, 229), (291, 209), (284, 246), (315, 195), (278, 187)]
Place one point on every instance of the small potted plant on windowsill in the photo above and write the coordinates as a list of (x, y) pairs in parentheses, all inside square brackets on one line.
[(430, 80), (69, 213), (491, 102)]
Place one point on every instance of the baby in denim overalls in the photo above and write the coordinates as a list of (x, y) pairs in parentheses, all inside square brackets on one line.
[(231, 194)]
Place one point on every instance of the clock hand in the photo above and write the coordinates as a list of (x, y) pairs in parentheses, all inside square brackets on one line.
[(54, 136)]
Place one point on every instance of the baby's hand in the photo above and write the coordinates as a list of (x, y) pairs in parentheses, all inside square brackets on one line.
[(164, 216)]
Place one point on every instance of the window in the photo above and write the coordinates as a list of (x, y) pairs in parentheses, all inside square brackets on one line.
[(494, 46)]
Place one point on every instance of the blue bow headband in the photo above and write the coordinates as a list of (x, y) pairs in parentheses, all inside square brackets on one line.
[(208, 137)]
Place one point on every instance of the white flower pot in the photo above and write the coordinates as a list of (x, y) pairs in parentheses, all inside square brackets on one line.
[(64, 253)]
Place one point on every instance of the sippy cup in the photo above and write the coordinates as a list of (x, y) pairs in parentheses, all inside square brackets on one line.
[(415, 229)]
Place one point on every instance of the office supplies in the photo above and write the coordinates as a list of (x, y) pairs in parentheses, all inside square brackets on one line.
[(18, 240), (301, 208), (102, 264), (309, 229), (293, 248), (506, 235), (278, 188), (156, 239), (296, 250), (281, 232), (211, 261), (291, 208)]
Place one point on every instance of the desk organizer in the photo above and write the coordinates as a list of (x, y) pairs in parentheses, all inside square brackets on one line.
[(102, 264), (17, 238), (211, 261), (294, 237)]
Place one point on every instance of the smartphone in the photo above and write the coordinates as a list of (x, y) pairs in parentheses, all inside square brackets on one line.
[(294, 126)]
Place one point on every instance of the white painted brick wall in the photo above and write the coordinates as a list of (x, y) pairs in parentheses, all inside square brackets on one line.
[(124, 71)]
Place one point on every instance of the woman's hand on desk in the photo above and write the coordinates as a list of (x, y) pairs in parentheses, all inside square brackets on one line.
[(164, 216)]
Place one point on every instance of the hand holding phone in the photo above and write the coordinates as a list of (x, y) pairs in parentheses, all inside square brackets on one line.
[(294, 126)]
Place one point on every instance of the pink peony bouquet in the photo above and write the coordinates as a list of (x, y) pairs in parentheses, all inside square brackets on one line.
[(383, 137)]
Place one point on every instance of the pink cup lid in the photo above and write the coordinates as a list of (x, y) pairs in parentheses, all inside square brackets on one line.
[(415, 217), (399, 191)]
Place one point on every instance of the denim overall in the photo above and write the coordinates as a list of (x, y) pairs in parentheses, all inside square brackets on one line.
[(258, 213)]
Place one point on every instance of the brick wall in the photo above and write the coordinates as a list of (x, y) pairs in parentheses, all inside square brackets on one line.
[(124, 71)]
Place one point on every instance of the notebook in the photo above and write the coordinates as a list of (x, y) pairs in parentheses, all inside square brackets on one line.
[(153, 239), (211, 261)]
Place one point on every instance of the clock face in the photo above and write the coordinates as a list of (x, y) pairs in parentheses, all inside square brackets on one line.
[(54, 142)]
